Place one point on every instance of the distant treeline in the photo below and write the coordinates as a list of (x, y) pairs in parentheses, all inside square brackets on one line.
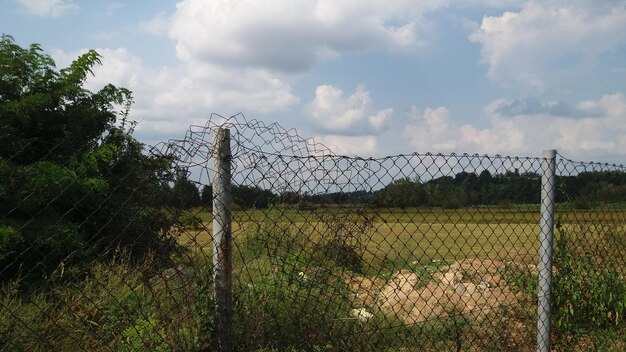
[(464, 189)]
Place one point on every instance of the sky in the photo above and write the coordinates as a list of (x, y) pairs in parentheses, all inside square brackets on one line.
[(364, 77)]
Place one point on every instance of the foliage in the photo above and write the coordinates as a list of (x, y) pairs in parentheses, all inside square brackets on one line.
[(74, 183), (247, 197), (342, 244), (445, 194), (291, 295), (122, 305), (206, 196), (401, 193), (587, 293), (588, 188), (584, 191), (464, 189), (184, 193)]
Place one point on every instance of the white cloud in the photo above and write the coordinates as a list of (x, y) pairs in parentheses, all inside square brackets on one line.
[(287, 35), (547, 43), (350, 125), (350, 145), (158, 25), (601, 133), (48, 8), (119, 67), (353, 115), (168, 99)]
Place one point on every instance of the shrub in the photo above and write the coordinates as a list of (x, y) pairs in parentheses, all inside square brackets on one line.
[(589, 290), (587, 293), (342, 242), (121, 306), (74, 184)]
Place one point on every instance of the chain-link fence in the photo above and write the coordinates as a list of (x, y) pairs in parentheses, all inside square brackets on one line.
[(244, 236)]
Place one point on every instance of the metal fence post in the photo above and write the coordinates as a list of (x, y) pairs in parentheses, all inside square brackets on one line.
[(222, 239), (546, 240)]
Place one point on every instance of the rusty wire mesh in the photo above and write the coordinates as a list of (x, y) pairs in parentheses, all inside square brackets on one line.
[(411, 252)]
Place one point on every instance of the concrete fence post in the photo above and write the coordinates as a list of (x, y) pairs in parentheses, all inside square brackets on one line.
[(546, 240), (222, 239)]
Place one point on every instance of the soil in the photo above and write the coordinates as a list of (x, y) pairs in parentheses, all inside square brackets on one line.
[(473, 287)]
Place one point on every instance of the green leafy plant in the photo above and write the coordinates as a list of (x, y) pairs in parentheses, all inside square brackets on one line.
[(586, 293), (144, 335), (74, 183), (342, 243)]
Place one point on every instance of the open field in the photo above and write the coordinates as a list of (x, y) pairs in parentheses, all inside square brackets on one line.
[(419, 265), (419, 234), (338, 279)]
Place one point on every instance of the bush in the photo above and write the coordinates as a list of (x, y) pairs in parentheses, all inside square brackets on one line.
[(589, 290), (342, 243), (121, 306), (587, 294), (74, 184)]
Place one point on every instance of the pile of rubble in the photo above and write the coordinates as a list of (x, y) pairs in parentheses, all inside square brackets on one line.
[(472, 287)]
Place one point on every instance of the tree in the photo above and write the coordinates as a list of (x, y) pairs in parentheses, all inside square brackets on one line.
[(442, 192), (401, 193), (247, 197), (207, 196), (74, 183), (184, 193)]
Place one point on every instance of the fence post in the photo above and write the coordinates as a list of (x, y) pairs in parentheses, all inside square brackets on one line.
[(222, 239), (546, 240)]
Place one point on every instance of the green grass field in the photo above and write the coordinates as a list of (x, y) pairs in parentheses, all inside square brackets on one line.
[(418, 239), (140, 306), (419, 234)]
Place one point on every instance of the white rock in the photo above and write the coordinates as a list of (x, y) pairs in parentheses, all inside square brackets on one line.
[(361, 313), (484, 286)]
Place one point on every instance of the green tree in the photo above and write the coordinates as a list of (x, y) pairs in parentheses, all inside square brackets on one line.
[(184, 193), (401, 193), (207, 196), (443, 193), (74, 183), (248, 197)]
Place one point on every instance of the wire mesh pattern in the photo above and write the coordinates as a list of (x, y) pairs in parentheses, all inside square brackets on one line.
[(412, 252)]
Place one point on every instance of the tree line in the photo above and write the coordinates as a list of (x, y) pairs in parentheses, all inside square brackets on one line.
[(461, 190)]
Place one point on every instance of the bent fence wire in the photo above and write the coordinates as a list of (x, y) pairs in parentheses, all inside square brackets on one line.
[(413, 252)]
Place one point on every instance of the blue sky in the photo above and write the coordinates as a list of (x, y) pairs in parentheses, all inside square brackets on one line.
[(362, 76)]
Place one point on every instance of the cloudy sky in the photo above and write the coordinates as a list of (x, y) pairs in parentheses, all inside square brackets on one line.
[(364, 77)]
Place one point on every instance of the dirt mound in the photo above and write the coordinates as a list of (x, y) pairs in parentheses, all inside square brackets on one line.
[(365, 290), (472, 287)]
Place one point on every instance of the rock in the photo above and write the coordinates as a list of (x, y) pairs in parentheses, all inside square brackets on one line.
[(448, 291), (484, 286), (362, 314), (451, 278)]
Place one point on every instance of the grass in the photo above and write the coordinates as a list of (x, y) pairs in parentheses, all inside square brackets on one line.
[(415, 238), (419, 234), (119, 306), (289, 290)]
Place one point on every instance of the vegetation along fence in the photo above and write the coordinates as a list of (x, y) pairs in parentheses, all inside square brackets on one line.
[(244, 236)]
